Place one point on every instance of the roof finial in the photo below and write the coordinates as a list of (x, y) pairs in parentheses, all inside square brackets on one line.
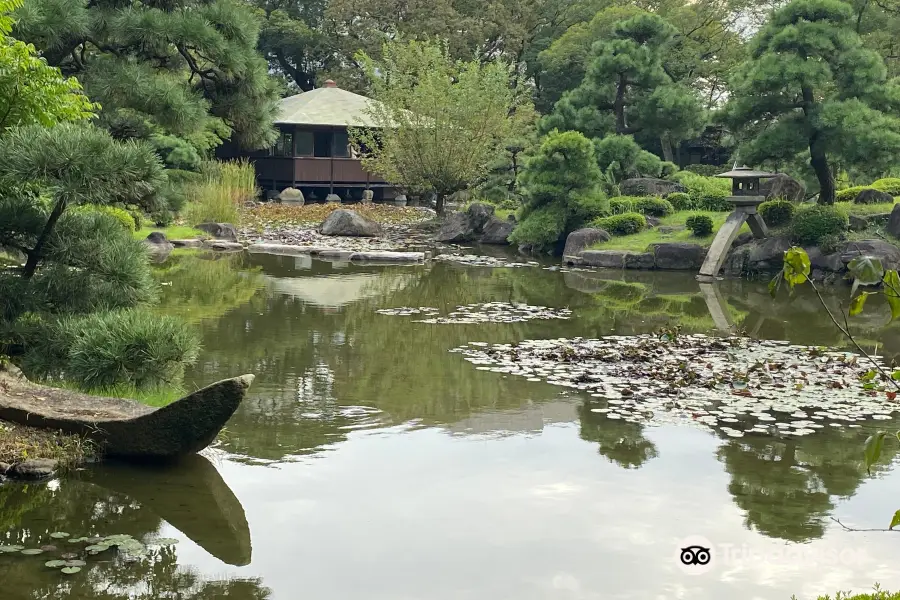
[(330, 83)]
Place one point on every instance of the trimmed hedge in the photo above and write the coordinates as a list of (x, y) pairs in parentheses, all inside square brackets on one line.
[(119, 214), (891, 185), (849, 194), (812, 224), (624, 224), (680, 201), (701, 225), (777, 212), (654, 207)]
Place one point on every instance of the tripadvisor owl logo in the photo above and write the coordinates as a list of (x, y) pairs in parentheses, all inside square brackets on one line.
[(694, 555)]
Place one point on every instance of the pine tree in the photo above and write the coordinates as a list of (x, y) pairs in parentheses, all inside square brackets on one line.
[(183, 67), (811, 88)]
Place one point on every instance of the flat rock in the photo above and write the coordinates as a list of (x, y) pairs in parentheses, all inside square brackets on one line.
[(39, 468), (409, 257), (783, 187), (858, 223), (335, 253), (870, 196), (222, 245), (581, 239), (678, 256), (610, 259), (649, 186), (496, 230), (285, 249), (220, 231), (192, 243), (344, 222), (671, 228), (640, 260)]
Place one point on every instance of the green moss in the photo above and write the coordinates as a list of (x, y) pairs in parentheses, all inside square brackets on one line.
[(173, 232), (639, 242), (864, 209)]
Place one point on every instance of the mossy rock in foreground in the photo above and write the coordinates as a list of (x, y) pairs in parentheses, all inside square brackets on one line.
[(121, 427)]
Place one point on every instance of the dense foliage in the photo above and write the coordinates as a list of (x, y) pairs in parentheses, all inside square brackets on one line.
[(624, 224), (812, 224), (777, 212), (700, 225)]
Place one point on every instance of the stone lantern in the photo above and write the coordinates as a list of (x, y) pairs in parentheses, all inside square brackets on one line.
[(746, 196)]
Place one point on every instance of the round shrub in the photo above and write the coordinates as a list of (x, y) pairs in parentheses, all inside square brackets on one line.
[(624, 224), (812, 224), (849, 194), (891, 185), (654, 207), (680, 201), (701, 225), (776, 212), (119, 214), (622, 204)]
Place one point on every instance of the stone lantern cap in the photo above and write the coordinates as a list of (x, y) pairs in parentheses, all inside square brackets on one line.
[(746, 173)]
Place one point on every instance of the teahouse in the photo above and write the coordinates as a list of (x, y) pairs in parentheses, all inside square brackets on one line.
[(312, 152)]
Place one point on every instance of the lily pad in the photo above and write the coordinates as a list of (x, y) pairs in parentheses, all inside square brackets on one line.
[(77, 540), (11, 548), (97, 548), (70, 570), (32, 551), (58, 535), (55, 564), (49, 548), (75, 563)]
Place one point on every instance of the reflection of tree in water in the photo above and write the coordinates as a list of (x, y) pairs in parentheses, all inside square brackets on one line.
[(786, 485), (29, 513), (620, 441)]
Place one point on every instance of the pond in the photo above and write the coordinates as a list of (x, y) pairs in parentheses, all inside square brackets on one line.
[(370, 461)]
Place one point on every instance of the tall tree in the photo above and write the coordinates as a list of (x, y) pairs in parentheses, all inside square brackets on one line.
[(31, 91), (626, 89), (439, 121), (810, 87), (183, 67)]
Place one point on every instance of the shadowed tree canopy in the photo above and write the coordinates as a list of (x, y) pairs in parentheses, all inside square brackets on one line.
[(183, 67), (811, 88), (626, 90)]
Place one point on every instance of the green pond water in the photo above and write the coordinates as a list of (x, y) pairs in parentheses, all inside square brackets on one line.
[(369, 462)]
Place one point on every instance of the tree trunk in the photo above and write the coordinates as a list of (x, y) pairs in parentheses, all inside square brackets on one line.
[(666, 144), (439, 203), (818, 160), (36, 254)]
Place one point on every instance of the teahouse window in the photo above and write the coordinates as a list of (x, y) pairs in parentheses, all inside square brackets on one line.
[(341, 144), (304, 145)]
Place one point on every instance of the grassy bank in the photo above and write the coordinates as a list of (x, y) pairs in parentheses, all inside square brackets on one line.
[(19, 443), (173, 232)]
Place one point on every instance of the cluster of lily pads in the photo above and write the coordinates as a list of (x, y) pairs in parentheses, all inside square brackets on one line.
[(128, 548), (736, 385), (486, 312), (475, 260)]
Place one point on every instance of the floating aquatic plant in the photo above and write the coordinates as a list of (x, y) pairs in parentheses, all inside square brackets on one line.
[(128, 549), (475, 260), (488, 312), (737, 385)]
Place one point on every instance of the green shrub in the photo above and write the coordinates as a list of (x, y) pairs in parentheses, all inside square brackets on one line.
[(701, 225), (585, 209), (541, 227), (706, 170), (849, 194), (667, 169), (622, 204), (891, 185), (777, 212), (119, 214), (624, 224), (654, 207), (136, 215), (106, 349), (706, 193), (812, 224), (831, 243), (680, 201)]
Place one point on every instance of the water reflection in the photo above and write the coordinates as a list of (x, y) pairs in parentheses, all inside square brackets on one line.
[(192, 497)]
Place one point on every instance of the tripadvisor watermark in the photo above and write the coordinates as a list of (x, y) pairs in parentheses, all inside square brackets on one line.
[(696, 555)]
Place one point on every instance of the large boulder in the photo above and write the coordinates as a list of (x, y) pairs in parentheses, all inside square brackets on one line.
[(678, 256), (333, 199), (158, 246), (783, 187), (610, 259), (858, 223), (648, 186), (887, 253), (461, 227), (893, 224), (39, 468), (757, 256), (344, 222), (870, 196), (825, 262), (220, 231), (291, 196), (580, 239), (497, 231)]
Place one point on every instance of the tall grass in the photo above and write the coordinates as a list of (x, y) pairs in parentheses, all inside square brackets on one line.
[(221, 191)]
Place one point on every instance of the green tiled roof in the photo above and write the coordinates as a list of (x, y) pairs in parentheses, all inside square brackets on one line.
[(325, 106)]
